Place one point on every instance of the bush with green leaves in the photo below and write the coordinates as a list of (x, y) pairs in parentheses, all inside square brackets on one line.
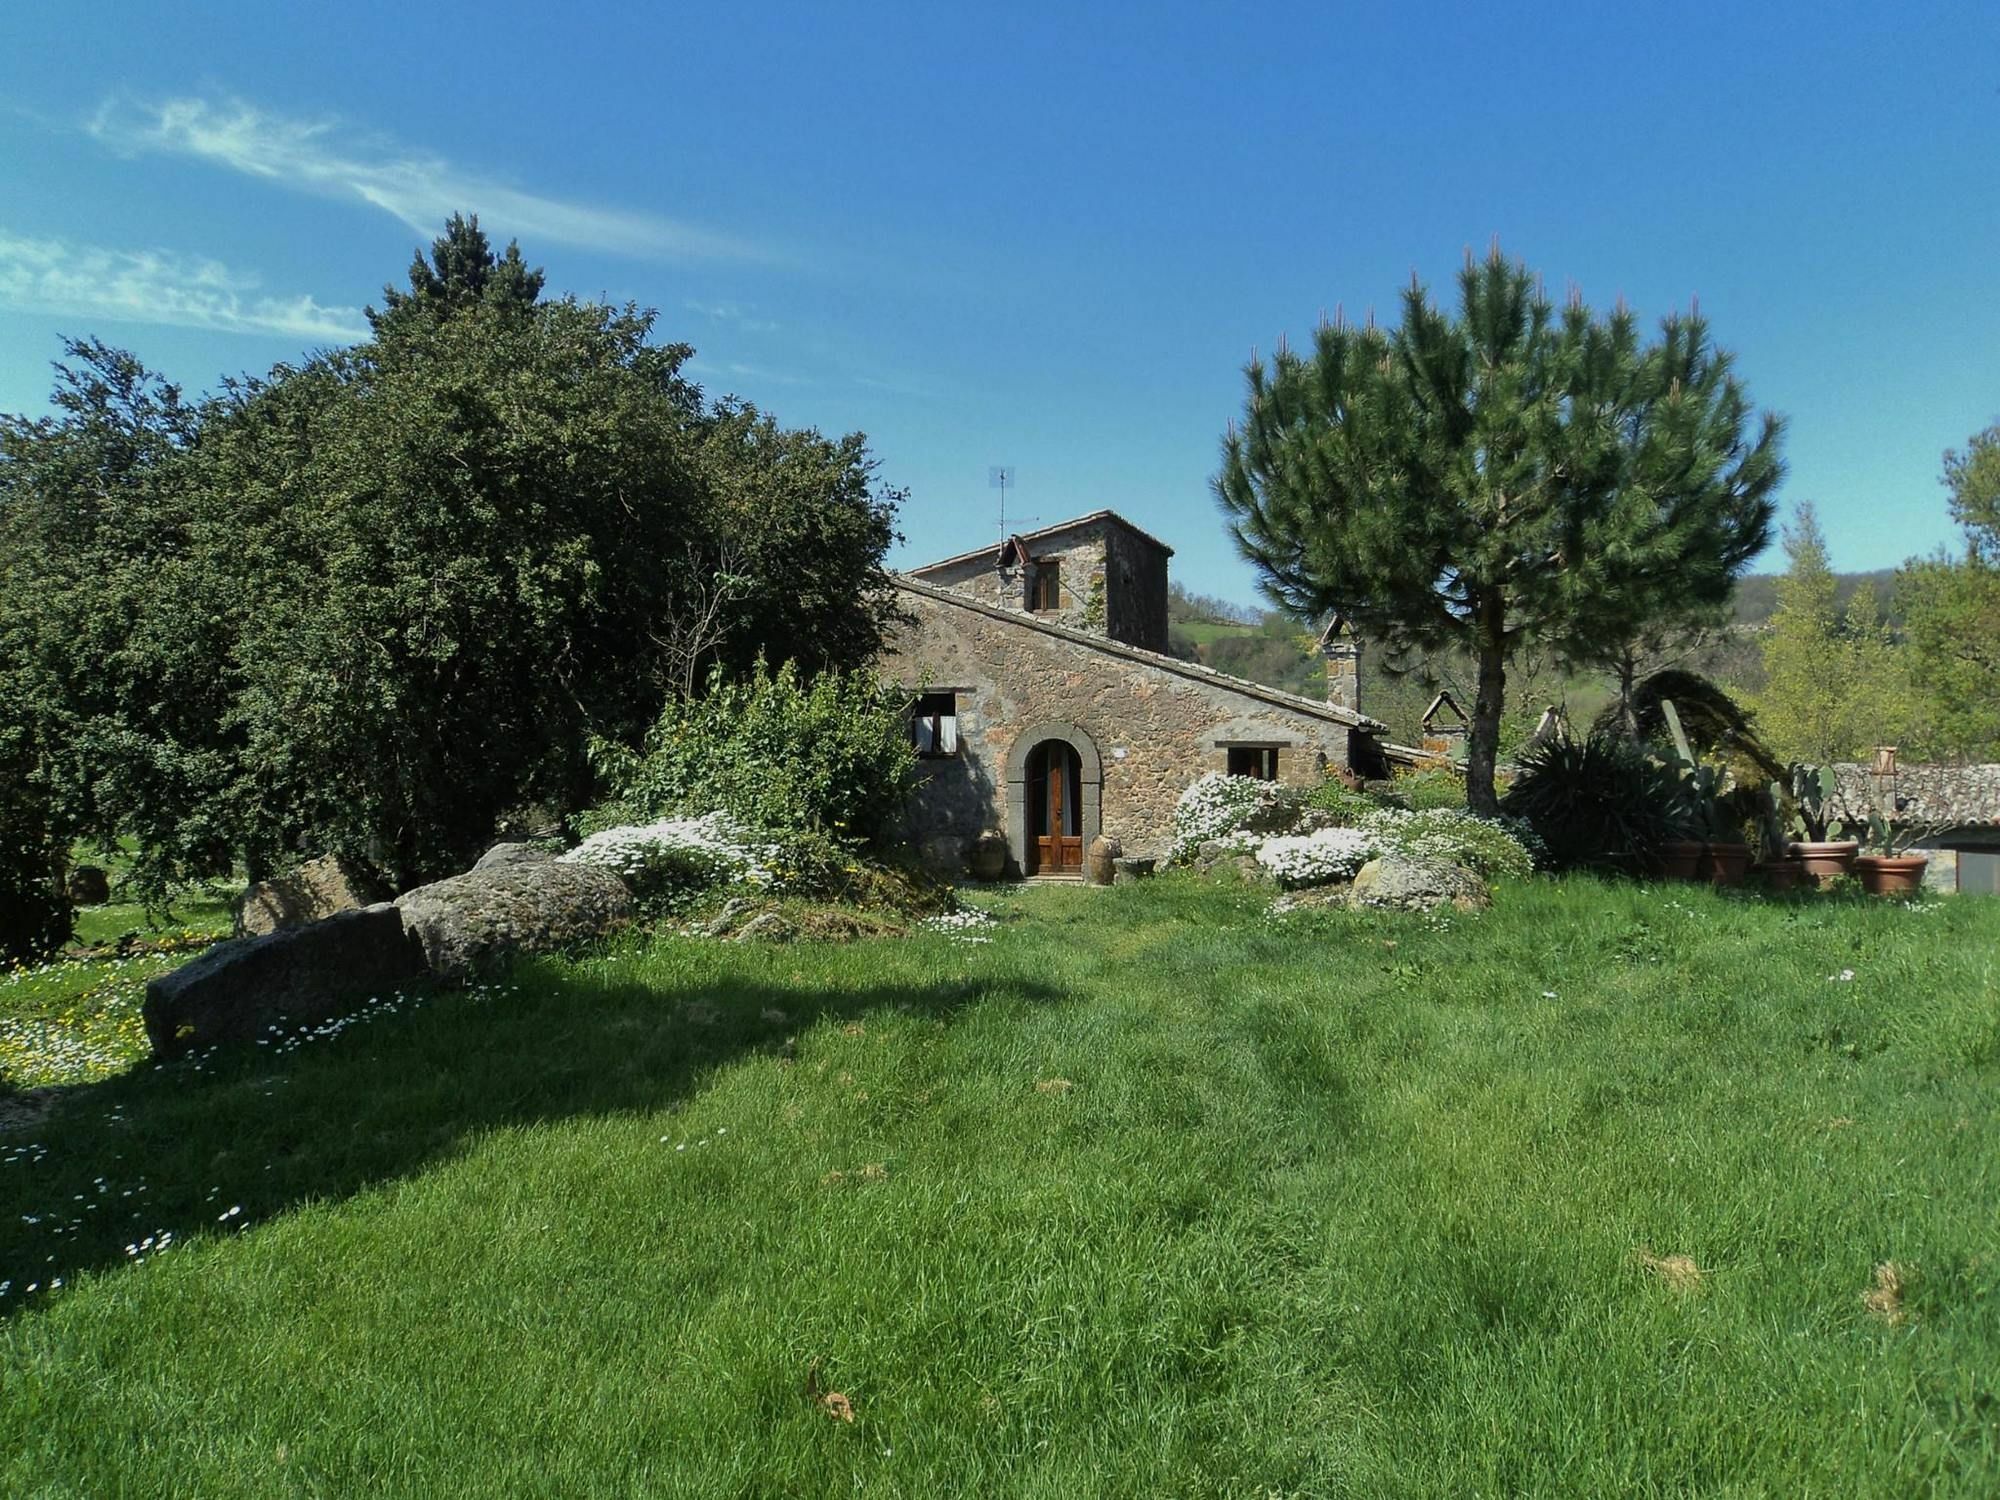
[(1432, 787), (829, 755), (1599, 804), (1495, 848), (35, 914), (1340, 802)]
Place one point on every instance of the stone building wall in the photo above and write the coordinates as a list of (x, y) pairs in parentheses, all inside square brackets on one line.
[(1153, 725), (1114, 581)]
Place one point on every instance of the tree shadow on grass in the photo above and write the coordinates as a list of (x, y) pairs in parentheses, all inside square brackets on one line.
[(396, 1087)]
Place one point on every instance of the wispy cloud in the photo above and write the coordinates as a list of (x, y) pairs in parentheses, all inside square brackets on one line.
[(418, 187), (732, 313), (157, 286)]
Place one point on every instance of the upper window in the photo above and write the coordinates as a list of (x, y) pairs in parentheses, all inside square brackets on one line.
[(1045, 585), (1259, 761), (934, 724)]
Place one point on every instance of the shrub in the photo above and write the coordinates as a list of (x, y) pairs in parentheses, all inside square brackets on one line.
[(1215, 806), (830, 756), (1341, 803), (1495, 849), (1317, 858), (668, 864), (1432, 787), (35, 915), (1598, 804)]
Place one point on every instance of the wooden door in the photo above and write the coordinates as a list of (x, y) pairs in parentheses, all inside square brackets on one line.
[(1055, 783)]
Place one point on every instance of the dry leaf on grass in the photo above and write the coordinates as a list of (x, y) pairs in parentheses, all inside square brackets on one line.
[(837, 1406), (1885, 1298), (1679, 1272), (1054, 1086)]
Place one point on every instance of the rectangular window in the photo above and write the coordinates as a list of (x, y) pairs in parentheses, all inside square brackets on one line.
[(1260, 761), (1045, 586), (934, 725)]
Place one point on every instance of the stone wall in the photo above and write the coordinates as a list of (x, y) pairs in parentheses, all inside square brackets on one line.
[(1150, 725)]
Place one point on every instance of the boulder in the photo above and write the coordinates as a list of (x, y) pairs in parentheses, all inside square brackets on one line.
[(1099, 859), (89, 886), (501, 855), (473, 924), (1399, 883), (238, 990), (316, 890), (1133, 867), (733, 911), (767, 927)]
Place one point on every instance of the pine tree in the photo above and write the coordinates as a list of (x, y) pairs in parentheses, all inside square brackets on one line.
[(462, 270), (1511, 476)]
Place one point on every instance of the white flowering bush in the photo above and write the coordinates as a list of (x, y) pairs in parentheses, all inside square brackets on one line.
[(1486, 846), (1317, 858), (1216, 806), (669, 863)]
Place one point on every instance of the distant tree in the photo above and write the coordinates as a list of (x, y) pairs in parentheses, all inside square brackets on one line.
[(1951, 605), (1835, 680), (1505, 477)]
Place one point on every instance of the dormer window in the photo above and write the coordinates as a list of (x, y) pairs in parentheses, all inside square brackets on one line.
[(1045, 585)]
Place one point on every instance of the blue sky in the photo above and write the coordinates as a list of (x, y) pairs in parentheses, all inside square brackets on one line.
[(1047, 237)]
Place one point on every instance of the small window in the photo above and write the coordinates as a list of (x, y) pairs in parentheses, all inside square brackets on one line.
[(1045, 586), (934, 725), (1259, 761)]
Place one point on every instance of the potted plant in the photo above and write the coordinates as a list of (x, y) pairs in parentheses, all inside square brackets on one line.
[(1781, 869), (1888, 868), (1721, 856), (1808, 793)]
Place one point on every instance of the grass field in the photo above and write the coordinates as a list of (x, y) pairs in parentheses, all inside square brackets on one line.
[(1146, 1194)]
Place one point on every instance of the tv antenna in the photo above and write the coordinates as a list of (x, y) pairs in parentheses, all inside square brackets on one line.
[(1001, 477)]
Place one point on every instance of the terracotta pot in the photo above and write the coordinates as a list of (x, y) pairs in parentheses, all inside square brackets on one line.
[(1783, 874), (1827, 859), (987, 857), (1891, 874), (1680, 858), (1724, 864)]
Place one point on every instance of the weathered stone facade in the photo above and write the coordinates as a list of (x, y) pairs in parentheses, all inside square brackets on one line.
[(1112, 577), (1143, 725)]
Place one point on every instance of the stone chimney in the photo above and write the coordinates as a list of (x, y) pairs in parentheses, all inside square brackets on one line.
[(1342, 649)]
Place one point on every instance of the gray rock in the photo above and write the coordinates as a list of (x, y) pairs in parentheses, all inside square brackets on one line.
[(89, 885), (731, 913), (501, 855), (767, 927), (1132, 867), (1399, 883), (473, 924), (237, 990), (315, 891)]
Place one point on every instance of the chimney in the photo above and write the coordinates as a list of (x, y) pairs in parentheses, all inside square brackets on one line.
[(1342, 649)]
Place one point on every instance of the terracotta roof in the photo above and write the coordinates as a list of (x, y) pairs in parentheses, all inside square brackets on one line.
[(1029, 536), (1192, 671), (1939, 796)]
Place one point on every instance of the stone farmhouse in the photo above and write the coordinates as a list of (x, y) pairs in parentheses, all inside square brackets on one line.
[(1048, 709)]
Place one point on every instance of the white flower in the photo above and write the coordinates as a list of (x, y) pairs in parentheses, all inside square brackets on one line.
[(1316, 858), (1216, 806)]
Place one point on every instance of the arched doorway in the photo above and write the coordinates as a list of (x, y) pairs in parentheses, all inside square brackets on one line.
[(1055, 787), (1055, 809)]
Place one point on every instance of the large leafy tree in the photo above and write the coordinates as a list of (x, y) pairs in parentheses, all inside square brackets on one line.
[(1951, 607), (372, 601), (1506, 476)]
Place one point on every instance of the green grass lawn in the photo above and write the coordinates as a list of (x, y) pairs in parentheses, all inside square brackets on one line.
[(1147, 1195)]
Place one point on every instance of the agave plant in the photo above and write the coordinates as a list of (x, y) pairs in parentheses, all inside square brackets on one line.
[(1709, 786)]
